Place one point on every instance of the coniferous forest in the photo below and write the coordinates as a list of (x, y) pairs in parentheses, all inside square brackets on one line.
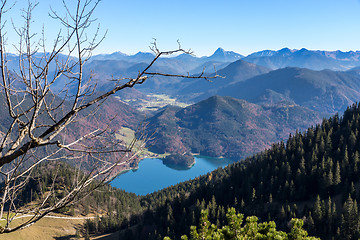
[(313, 176)]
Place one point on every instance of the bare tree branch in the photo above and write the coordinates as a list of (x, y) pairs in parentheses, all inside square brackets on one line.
[(40, 118)]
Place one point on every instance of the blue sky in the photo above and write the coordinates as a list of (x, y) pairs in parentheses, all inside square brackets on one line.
[(243, 26)]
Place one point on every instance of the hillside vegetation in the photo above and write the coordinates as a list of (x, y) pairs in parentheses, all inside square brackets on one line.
[(225, 126), (314, 176)]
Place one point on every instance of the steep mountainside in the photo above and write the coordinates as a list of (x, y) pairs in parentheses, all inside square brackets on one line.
[(111, 116), (120, 114), (324, 91), (235, 72), (225, 126)]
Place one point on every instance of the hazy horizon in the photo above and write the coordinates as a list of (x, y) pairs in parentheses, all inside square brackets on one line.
[(203, 26)]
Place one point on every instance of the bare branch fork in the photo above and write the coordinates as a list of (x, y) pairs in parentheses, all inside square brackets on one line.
[(158, 53), (40, 118)]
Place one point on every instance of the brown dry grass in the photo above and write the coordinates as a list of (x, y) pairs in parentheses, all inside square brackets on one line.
[(46, 228)]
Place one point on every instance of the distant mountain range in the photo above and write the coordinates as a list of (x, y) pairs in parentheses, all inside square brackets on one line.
[(117, 65), (219, 55), (316, 60), (183, 63), (232, 66), (225, 126), (323, 91), (105, 67), (303, 58)]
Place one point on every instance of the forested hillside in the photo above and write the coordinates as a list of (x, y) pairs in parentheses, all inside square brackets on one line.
[(63, 176), (314, 176), (225, 126), (111, 114)]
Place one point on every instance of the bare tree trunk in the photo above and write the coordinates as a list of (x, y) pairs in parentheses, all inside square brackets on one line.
[(39, 115)]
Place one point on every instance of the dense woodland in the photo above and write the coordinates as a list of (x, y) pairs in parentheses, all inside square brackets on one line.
[(313, 176), (61, 175)]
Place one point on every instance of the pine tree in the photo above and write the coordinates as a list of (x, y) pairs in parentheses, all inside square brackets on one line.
[(345, 162), (337, 177), (318, 214), (350, 222), (253, 195), (330, 178), (356, 161), (310, 223)]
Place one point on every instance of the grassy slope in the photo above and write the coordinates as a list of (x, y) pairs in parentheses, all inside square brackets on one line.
[(127, 135), (46, 228)]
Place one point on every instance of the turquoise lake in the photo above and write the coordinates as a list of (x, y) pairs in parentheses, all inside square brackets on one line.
[(152, 175)]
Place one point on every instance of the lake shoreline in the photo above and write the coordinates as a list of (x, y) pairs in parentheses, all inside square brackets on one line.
[(175, 167), (151, 174)]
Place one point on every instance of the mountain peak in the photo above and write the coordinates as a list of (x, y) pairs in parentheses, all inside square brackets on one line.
[(118, 53), (285, 51), (144, 54), (226, 56), (219, 50), (303, 50)]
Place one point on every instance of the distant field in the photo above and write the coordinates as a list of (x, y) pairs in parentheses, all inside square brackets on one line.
[(127, 135), (154, 102)]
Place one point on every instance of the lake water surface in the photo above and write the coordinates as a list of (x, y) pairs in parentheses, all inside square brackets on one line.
[(153, 175)]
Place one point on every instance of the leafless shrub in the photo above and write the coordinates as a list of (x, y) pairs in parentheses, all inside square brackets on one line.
[(39, 118)]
